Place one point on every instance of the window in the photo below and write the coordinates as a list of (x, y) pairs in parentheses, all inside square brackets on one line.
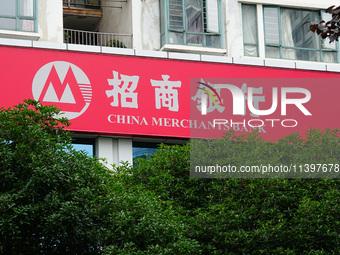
[(286, 34), (143, 149), (191, 22), (84, 144), (249, 30), (18, 15)]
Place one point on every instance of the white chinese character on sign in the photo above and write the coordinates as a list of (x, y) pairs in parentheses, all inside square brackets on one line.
[(124, 87), (166, 95), (256, 99), (212, 100)]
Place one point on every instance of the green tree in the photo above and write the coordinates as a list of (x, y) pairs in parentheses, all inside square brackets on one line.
[(50, 194), (245, 215), (331, 28), (55, 200)]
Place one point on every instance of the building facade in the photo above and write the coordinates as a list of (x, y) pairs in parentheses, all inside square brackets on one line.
[(241, 35)]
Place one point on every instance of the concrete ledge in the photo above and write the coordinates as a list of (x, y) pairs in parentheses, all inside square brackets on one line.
[(16, 42), (20, 35), (193, 49), (333, 67), (151, 53), (249, 61), (85, 48), (119, 51), (184, 56), (216, 59), (49, 45), (311, 66), (280, 63)]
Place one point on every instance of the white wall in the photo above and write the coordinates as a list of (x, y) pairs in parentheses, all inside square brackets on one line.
[(114, 150), (146, 24), (233, 28), (150, 25), (50, 20), (116, 17)]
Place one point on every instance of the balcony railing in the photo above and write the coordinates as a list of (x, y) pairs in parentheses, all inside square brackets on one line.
[(84, 4), (97, 38)]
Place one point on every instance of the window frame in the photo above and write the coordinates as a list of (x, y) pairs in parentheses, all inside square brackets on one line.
[(321, 49), (165, 29), (18, 18), (84, 141), (325, 49), (143, 145), (256, 32)]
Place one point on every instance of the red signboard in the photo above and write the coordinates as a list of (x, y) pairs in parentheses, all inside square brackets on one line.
[(138, 96)]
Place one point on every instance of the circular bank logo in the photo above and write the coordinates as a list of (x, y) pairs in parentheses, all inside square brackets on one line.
[(64, 85)]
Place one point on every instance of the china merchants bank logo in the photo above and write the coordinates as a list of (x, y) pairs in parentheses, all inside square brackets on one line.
[(64, 85)]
